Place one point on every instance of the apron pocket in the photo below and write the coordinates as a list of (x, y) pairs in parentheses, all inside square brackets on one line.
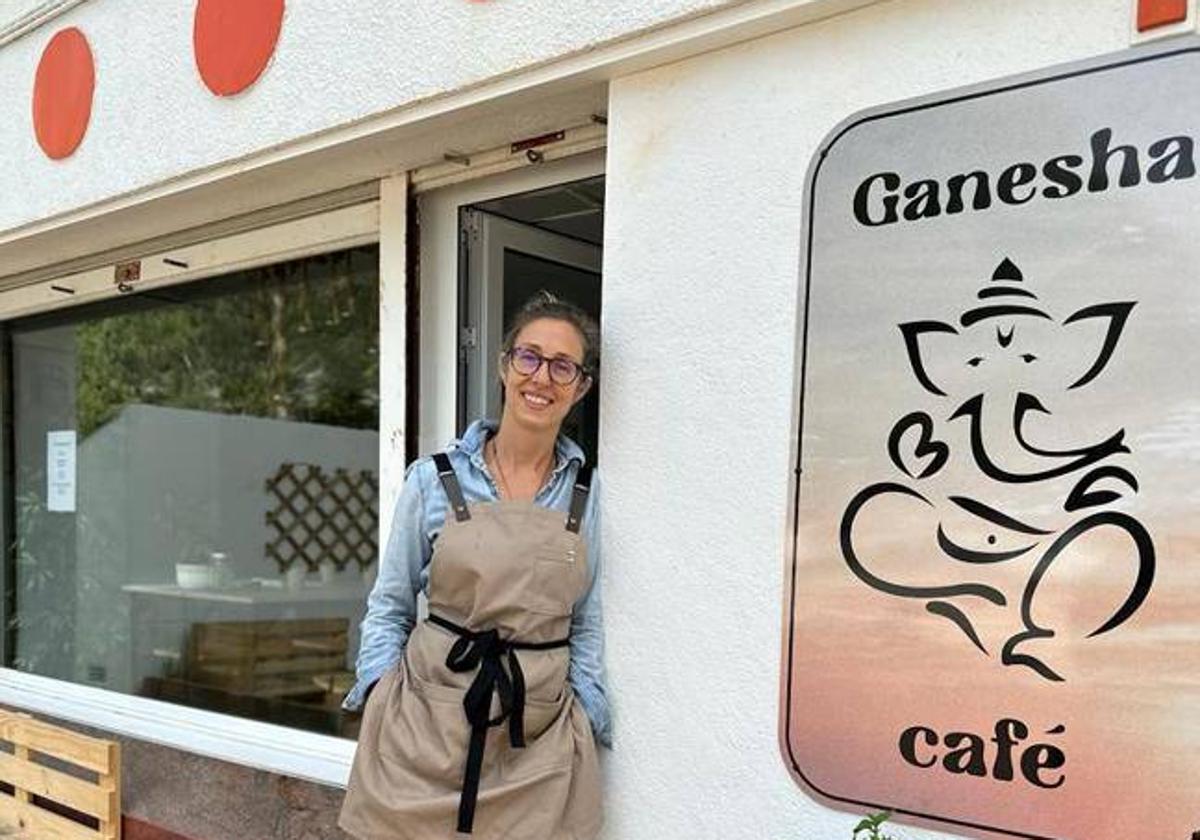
[(422, 737), (548, 741), (435, 691), (565, 547), (555, 582), (368, 732), (540, 714)]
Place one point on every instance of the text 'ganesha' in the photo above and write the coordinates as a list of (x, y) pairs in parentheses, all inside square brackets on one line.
[(999, 328)]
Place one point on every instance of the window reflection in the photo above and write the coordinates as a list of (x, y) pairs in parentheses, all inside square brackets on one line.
[(209, 534)]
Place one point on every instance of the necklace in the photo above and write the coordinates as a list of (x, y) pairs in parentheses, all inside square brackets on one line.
[(504, 485), (500, 470)]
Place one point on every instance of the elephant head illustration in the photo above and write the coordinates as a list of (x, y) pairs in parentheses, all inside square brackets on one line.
[(1007, 315), (1007, 330)]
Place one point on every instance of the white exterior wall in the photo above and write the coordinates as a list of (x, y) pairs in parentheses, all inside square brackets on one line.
[(337, 62), (706, 167)]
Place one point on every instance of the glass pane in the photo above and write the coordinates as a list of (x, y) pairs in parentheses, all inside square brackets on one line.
[(196, 489)]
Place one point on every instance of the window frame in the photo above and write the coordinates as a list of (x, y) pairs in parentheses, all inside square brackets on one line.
[(279, 749)]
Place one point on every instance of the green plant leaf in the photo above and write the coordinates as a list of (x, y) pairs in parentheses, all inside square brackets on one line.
[(870, 824)]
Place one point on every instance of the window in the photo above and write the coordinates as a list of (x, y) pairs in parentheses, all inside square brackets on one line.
[(194, 489)]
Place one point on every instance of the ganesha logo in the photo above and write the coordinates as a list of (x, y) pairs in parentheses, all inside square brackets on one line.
[(1006, 326)]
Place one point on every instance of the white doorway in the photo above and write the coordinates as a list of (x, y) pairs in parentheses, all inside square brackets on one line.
[(486, 247), (513, 247)]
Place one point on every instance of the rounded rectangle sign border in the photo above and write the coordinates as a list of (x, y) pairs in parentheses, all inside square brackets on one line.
[(1176, 48)]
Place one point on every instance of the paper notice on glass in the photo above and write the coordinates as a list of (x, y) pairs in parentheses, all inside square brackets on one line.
[(60, 471)]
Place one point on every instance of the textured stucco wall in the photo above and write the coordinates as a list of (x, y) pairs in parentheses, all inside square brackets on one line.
[(706, 166), (338, 61)]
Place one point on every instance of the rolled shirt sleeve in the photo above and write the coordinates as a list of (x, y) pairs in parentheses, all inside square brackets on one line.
[(392, 604), (586, 674)]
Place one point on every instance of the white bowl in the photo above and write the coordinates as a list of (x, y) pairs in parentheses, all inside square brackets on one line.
[(193, 575)]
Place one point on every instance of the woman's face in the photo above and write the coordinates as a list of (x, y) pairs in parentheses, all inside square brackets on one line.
[(536, 401)]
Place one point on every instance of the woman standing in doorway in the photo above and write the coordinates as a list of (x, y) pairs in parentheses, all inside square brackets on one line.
[(483, 718)]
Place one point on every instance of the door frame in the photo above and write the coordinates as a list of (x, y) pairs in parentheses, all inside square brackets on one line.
[(440, 259)]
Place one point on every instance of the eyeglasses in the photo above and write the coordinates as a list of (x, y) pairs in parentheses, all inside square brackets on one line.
[(527, 362)]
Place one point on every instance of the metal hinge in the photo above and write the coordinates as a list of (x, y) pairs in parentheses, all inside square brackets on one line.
[(468, 338), (470, 230)]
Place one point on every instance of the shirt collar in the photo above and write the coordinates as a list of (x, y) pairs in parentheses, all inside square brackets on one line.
[(476, 435)]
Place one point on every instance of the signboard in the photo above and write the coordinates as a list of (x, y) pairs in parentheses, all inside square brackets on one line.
[(993, 621), (60, 471)]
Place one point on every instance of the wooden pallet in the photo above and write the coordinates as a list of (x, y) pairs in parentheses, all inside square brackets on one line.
[(266, 658), (64, 786)]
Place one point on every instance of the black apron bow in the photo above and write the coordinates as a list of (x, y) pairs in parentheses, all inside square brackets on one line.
[(482, 652)]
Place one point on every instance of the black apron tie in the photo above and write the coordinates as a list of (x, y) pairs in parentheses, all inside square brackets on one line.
[(482, 652)]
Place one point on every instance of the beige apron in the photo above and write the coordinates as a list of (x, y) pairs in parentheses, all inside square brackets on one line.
[(503, 580)]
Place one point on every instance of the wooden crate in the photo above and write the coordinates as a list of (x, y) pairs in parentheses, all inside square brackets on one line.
[(266, 658), (85, 780)]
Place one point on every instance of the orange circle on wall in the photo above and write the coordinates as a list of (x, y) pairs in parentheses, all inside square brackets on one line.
[(233, 40), (62, 93)]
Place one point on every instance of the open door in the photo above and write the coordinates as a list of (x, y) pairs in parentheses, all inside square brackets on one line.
[(503, 263)]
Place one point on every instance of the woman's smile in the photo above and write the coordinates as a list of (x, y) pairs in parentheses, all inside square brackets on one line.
[(536, 401)]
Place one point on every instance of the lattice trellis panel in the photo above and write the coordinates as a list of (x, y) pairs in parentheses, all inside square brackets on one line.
[(319, 516)]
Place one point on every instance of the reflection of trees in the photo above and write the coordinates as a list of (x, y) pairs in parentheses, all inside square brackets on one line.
[(44, 637), (51, 582), (297, 341)]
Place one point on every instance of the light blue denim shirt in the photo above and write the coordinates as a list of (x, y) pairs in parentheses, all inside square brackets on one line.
[(404, 568)]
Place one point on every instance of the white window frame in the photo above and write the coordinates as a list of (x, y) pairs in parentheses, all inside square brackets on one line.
[(265, 746), (315, 234)]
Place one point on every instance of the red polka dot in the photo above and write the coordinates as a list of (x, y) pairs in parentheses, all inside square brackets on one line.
[(62, 93), (233, 40)]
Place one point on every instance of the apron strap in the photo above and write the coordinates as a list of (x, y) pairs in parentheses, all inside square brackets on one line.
[(481, 652), (579, 496), (450, 484)]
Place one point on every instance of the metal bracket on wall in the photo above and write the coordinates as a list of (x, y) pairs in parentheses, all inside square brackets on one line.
[(527, 151)]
